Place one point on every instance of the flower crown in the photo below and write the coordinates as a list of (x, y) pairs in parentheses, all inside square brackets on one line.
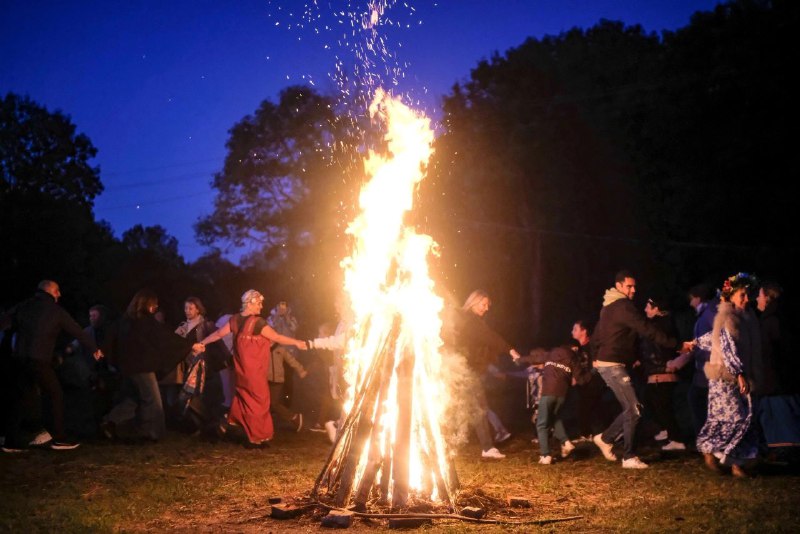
[(736, 282)]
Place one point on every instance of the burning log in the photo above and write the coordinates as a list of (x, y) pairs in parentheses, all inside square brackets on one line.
[(402, 443), (366, 418), (345, 455)]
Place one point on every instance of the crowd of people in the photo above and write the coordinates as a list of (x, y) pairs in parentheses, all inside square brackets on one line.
[(133, 378), (734, 375)]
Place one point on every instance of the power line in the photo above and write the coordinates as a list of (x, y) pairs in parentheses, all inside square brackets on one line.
[(160, 181), (157, 201), (161, 167)]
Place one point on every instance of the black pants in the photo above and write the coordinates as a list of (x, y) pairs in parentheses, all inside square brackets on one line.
[(659, 400), (29, 374)]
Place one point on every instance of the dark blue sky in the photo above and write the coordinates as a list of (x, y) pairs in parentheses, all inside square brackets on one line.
[(157, 84)]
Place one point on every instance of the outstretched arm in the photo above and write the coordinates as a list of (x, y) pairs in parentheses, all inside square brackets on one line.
[(269, 333), (223, 331)]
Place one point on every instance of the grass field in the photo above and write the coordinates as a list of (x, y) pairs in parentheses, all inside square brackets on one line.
[(183, 484)]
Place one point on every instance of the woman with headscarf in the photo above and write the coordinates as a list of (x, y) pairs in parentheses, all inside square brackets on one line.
[(251, 358), (728, 436)]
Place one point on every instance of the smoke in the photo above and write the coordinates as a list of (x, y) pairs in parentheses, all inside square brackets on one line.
[(462, 384)]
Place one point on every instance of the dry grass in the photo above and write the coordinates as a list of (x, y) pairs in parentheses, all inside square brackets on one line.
[(183, 485)]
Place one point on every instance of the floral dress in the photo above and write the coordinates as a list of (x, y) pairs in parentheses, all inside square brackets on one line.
[(728, 432)]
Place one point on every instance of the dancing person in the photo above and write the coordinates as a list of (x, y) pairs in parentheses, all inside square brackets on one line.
[(557, 373), (276, 378), (589, 387), (481, 346), (615, 340), (38, 321), (198, 369), (142, 347), (728, 436), (251, 358), (337, 383), (779, 409), (661, 380)]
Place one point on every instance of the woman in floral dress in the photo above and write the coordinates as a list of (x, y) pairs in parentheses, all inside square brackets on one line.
[(728, 436)]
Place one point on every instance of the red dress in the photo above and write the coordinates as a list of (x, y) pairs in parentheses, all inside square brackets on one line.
[(250, 407)]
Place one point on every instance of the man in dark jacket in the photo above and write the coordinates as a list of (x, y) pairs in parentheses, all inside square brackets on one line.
[(615, 347), (38, 321)]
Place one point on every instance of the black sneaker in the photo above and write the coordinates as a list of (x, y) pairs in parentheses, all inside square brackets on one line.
[(13, 449), (65, 445)]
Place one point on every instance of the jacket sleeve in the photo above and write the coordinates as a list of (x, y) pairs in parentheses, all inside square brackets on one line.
[(476, 332), (289, 358), (173, 348), (72, 328), (334, 342), (641, 326)]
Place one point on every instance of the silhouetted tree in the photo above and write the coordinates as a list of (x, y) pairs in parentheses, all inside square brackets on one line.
[(47, 189)]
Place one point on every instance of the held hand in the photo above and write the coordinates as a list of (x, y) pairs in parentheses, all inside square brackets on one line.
[(686, 347), (744, 387), (197, 348), (302, 345)]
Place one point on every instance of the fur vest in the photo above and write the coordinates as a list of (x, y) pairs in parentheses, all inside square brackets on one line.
[(743, 328)]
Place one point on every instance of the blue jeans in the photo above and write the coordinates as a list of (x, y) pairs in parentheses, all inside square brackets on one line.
[(148, 411), (619, 381), (548, 416)]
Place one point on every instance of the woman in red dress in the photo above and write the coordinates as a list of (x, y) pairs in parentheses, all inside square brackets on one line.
[(252, 337)]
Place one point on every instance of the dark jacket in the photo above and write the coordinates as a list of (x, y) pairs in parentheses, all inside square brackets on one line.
[(557, 371), (703, 325), (653, 356), (478, 341), (770, 346), (615, 335), (144, 345), (583, 360), (38, 321)]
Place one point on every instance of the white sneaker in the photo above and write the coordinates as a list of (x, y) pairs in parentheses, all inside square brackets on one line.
[(661, 436), (502, 436), (41, 438), (674, 446), (545, 460), (566, 448), (605, 448), (634, 463), (330, 428), (493, 453)]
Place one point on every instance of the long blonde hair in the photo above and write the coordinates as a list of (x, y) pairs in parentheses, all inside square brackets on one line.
[(474, 298)]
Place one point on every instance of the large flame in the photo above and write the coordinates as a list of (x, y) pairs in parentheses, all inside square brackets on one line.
[(388, 283)]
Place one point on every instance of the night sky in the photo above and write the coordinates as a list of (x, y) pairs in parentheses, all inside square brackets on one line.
[(157, 85)]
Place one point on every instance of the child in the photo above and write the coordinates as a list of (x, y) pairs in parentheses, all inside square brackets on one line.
[(557, 366)]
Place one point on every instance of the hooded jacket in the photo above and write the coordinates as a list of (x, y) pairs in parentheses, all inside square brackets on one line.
[(620, 323)]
